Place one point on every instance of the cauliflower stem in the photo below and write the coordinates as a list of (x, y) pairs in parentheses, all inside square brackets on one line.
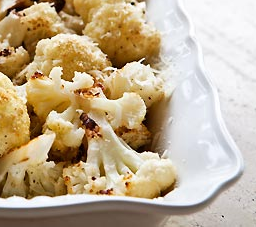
[(113, 168)]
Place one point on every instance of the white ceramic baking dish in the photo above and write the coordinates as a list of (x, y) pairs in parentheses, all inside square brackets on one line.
[(188, 127)]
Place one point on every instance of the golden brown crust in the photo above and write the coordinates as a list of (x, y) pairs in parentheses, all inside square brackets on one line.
[(125, 36), (14, 123), (69, 51)]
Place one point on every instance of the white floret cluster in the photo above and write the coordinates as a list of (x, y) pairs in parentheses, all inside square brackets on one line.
[(74, 95)]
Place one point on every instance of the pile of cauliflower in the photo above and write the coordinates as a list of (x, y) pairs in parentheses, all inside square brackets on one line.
[(74, 95)]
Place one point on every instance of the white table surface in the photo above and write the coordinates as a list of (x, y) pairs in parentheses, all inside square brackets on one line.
[(226, 30)]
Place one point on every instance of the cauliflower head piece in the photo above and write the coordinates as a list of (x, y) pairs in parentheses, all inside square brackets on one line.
[(50, 93), (53, 92), (113, 168), (138, 78), (28, 26), (135, 137), (66, 127), (87, 8), (25, 171), (69, 134), (46, 179), (124, 36), (35, 151), (58, 110), (34, 180), (15, 123), (128, 111), (69, 51), (12, 31), (41, 21), (12, 60), (72, 22)]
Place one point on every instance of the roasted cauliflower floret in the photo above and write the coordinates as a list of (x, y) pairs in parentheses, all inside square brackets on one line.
[(46, 179), (66, 127), (86, 8), (58, 110), (74, 23), (126, 172), (124, 36), (138, 78), (35, 151), (41, 21), (71, 52), (12, 32), (50, 94), (13, 60), (14, 183), (128, 111), (69, 134), (8, 5), (136, 137), (14, 124), (25, 172), (34, 180), (53, 92), (30, 25)]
